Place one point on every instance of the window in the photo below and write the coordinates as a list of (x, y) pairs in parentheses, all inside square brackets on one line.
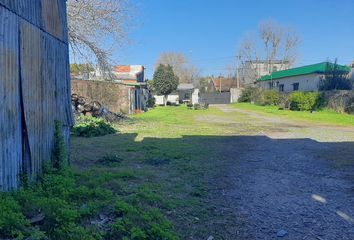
[(281, 87), (296, 86), (275, 68)]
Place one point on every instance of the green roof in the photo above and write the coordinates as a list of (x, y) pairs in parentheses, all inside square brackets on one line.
[(309, 69)]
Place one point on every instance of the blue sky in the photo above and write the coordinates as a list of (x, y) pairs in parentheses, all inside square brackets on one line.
[(208, 32)]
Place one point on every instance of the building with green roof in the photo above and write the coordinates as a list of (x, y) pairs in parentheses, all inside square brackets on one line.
[(306, 78)]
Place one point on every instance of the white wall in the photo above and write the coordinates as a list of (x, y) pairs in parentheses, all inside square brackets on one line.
[(309, 82), (195, 96), (235, 94)]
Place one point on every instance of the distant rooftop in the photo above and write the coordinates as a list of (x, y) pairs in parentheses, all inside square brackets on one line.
[(309, 69)]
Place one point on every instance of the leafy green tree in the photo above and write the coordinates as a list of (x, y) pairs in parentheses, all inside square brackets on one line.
[(165, 80)]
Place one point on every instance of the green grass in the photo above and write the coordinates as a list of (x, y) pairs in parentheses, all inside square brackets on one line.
[(154, 179), (324, 116)]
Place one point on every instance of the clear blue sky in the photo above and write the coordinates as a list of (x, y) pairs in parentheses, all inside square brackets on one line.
[(208, 32)]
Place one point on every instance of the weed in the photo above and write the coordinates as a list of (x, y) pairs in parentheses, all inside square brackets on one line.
[(110, 160), (92, 127)]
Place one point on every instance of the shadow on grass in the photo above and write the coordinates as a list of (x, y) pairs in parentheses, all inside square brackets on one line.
[(192, 173)]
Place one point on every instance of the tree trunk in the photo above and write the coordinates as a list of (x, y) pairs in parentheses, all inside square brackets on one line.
[(165, 100)]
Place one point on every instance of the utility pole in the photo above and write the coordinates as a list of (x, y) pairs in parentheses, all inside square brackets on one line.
[(238, 58)]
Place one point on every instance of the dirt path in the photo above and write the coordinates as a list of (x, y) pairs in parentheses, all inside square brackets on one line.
[(290, 180)]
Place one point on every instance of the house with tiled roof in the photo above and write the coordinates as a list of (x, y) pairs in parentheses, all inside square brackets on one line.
[(305, 78), (223, 84)]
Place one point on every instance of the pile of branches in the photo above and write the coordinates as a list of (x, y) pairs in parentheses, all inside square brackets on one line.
[(81, 106)]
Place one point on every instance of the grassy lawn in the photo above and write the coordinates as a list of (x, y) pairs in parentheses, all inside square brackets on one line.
[(160, 160), (325, 116)]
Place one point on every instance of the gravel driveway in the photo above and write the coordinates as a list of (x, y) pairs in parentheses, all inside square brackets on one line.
[(289, 180)]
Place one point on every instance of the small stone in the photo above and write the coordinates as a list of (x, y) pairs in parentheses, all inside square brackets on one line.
[(210, 238), (282, 233)]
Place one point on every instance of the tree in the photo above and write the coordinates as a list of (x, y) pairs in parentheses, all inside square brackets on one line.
[(277, 43), (336, 77), (164, 80), (186, 72), (80, 67), (91, 23)]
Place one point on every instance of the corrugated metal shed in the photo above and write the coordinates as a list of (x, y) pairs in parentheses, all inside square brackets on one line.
[(34, 85)]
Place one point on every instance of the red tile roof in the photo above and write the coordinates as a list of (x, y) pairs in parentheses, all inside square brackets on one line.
[(224, 83)]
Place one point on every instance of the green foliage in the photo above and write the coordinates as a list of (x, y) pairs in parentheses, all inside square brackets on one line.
[(336, 78), (301, 101), (164, 81), (81, 67), (151, 102), (270, 97), (92, 127), (204, 84), (12, 222), (63, 203), (60, 157), (110, 159), (135, 222), (249, 94)]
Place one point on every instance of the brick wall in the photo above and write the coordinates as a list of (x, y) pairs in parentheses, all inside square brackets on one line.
[(114, 96)]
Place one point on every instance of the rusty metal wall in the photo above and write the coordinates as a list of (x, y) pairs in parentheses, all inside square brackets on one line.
[(34, 83)]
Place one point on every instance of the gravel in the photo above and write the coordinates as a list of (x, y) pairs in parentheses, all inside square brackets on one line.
[(291, 187)]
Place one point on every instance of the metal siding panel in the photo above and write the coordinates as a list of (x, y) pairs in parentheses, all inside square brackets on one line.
[(53, 20), (42, 62), (27, 9), (63, 88), (10, 116), (32, 90)]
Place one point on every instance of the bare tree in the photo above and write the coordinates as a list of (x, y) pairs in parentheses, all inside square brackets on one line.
[(186, 72), (275, 43), (91, 23)]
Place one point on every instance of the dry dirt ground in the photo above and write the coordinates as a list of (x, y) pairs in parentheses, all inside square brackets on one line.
[(285, 179)]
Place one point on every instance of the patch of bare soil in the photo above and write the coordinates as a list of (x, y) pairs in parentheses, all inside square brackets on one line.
[(287, 188)]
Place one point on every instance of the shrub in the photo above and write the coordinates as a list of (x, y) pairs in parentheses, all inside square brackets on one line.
[(270, 97), (136, 223), (12, 221), (92, 127), (249, 94), (151, 102), (301, 101)]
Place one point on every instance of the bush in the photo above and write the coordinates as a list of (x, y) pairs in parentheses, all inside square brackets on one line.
[(301, 101), (12, 221), (270, 97), (248, 94), (92, 127), (151, 102)]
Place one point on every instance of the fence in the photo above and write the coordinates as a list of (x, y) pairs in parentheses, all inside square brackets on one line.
[(34, 85), (215, 98)]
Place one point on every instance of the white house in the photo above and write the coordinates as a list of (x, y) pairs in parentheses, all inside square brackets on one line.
[(306, 78)]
